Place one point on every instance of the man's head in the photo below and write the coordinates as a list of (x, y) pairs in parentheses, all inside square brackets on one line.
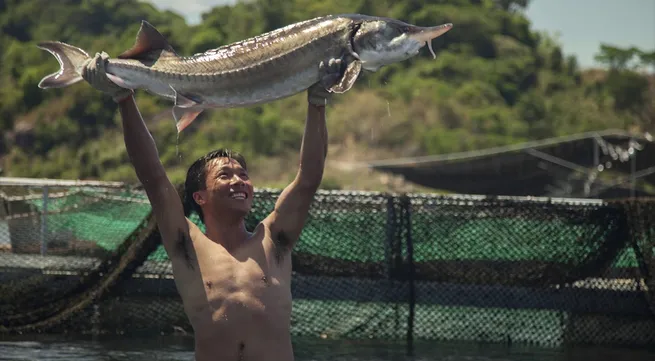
[(218, 183)]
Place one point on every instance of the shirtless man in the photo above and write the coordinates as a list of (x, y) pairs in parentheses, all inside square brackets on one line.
[(234, 285)]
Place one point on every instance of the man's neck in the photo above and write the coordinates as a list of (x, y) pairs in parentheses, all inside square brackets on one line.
[(229, 234)]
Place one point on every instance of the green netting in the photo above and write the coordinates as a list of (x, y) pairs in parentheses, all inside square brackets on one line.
[(469, 237), (368, 265), (74, 213)]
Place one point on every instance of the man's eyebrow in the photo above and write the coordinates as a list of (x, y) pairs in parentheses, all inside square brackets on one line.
[(228, 166)]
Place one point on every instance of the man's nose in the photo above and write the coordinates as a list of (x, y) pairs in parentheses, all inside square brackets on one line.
[(237, 180)]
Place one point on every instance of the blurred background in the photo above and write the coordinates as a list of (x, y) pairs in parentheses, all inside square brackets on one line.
[(511, 72), (525, 98)]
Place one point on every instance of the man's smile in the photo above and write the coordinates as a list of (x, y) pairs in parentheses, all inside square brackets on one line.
[(239, 195)]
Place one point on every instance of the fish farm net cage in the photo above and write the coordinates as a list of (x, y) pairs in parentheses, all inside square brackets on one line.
[(87, 258)]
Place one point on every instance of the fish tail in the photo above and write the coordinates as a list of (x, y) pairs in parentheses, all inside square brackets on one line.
[(71, 61)]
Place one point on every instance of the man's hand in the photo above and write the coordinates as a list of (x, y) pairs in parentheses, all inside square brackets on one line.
[(94, 72), (318, 94)]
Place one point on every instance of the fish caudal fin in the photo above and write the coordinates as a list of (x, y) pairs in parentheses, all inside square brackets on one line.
[(71, 61)]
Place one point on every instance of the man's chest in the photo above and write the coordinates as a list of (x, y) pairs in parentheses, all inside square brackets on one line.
[(247, 277), (251, 278)]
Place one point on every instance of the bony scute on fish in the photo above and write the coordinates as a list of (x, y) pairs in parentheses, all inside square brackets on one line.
[(261, 69)]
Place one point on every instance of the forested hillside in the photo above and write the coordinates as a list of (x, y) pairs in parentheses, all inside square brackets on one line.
[(495, 81)]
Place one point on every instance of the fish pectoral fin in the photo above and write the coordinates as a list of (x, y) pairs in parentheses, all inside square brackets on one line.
[(120, 82), (186, 110), (349, 77), (185, 116), (148, 39), (185, 100), (182, 101)]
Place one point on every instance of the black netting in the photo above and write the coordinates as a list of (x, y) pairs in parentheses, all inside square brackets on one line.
[(368, 265)]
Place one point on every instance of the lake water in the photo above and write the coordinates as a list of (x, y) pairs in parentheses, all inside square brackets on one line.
[(63, 348)]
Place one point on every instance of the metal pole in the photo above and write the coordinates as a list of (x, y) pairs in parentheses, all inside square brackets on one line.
[(596, 153), (633, 170), (44, 221)]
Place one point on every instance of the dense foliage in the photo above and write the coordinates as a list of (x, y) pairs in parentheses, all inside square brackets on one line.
[(495, 81)]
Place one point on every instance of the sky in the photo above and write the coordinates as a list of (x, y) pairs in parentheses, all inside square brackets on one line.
[(581, 25)]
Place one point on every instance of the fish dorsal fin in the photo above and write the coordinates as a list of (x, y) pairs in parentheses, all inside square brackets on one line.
[(148, 39)]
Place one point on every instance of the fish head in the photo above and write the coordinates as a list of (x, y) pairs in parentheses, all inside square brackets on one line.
[(381, 42)]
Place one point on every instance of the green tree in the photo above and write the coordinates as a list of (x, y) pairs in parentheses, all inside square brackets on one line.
[(495, 81)]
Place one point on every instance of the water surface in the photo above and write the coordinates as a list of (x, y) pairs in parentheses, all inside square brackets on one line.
[(74, 348)]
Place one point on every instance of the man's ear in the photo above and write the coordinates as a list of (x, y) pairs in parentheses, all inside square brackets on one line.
[(199, 197)]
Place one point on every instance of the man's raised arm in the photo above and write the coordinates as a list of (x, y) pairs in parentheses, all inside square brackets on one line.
[(292, 207), (142, 150)]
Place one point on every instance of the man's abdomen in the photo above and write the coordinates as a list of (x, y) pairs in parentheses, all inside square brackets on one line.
[(249, 323), (254, 348), (244, 329)]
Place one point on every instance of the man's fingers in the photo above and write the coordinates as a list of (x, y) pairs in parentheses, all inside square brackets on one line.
[(331, 73), (330, 79), (100, 64), (89, 71), (334, 65), (91, 65), (85, 72)]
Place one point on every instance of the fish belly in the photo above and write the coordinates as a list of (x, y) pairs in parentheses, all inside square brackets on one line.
[(136, 78), (262, 91), (218, 91)]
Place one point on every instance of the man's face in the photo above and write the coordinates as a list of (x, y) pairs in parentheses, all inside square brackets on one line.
[(228, 186)]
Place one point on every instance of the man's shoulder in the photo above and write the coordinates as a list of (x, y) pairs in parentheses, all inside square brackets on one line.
[(186, 228), (193, 231)]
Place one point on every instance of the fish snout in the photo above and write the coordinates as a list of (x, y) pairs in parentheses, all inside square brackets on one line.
[(425, 34)]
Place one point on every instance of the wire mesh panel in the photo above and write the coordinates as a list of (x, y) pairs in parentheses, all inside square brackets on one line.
[(508, 270), (641, 253), (65, 246), (342, 283), (367, 265)]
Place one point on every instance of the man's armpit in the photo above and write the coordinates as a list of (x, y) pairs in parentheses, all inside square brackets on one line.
[(184, 248), (282, 244)]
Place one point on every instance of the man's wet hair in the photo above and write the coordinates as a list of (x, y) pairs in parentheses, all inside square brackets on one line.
[(196, 177)]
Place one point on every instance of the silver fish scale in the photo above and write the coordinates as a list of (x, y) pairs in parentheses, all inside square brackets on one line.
[(264, 68)]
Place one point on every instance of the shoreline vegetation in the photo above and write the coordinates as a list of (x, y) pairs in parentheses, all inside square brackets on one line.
[(495, 81)]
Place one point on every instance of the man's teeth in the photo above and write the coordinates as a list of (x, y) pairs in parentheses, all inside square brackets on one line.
[(239, 195)]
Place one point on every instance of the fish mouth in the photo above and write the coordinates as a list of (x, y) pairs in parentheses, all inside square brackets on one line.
[(426, 35)]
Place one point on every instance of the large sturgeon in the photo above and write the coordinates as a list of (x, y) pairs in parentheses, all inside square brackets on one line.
[(257, 70)]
